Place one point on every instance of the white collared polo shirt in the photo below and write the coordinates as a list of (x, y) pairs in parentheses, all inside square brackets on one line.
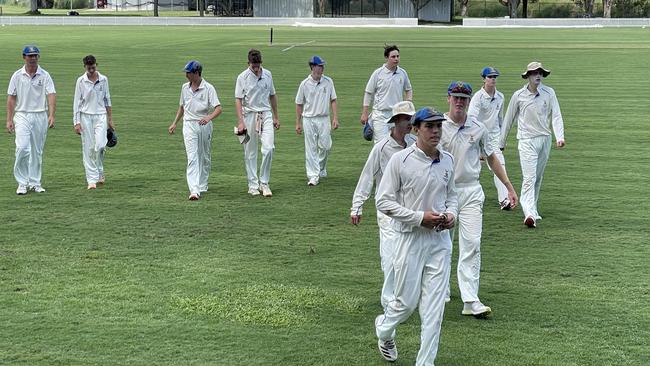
[(91, 97), (198, 104), (388, 87), (316, 96), (487, 109), (466, 143), (31, 92), (255, 91)]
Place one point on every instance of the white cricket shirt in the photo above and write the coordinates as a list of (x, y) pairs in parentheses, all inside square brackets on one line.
[(534, 114), (316, 96), (466, 143), (31, 92), (254, 91), (90, 97), (414, 183), (199, 103), (486, 109), (387, 87), (373, 171)]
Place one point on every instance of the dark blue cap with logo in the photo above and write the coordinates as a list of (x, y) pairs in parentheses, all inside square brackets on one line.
[(460, 89), (31, 50), (368, 132), (489, 71), (316, 60), (426, 114), (193, 66)]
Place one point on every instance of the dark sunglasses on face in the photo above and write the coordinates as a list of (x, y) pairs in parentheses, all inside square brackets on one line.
[(492, 76)]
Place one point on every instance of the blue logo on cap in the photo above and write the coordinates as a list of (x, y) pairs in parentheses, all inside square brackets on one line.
[(31, 50), (460, 89), (316, 60)]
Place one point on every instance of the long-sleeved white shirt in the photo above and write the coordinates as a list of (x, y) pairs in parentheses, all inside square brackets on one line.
[(90, 97), (316, 96), (31, 92), (387, 87), (534, 114), (374, 169), (466, 143), (254, 91), (414, 183), (487, 109)]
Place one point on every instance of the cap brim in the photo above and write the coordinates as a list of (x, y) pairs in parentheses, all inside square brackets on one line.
[(545, 73), (461, 95), (393, 118), (31, 53)]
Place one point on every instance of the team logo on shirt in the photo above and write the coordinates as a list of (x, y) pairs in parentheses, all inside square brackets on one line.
[(445, 177), (471, 139)]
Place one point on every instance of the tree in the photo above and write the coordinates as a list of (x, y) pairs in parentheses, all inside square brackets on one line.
[(587, 6), (419, 4), (512, 7), (33, 6), (607, 8), (463, 7), (321, 7), (155, 8)]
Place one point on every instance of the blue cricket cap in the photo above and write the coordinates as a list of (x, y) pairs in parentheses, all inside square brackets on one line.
[(489, 71), (193, 66), (460, 89), (31, 50), (426, 114), (316, 60)]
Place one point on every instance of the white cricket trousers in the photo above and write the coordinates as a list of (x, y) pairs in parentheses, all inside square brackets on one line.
[(533, 156), (387, 238), (379, 121), (93, 145), (502, 191), (470, 227), (318, 143), (266, 136), (31, 131), (421, 277), (198, 140)]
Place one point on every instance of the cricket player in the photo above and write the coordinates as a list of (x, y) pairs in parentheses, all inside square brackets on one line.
[(199, 105), (257, 112), (417, 192), (387, 86), (486, 107), (315, 100), (31, 104), (467, 139), (398, 140), (93, 114), (535, 108)]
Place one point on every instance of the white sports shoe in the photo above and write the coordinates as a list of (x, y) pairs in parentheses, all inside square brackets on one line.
[(388, 349), (312, 182), (102, 179), (92, 186), (253, 191), (476, 309), (266, 190), (21, 189), (194, 197), (323, 173), (38, 189)]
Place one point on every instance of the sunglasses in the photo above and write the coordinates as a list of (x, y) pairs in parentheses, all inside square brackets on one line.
[(492, 76)]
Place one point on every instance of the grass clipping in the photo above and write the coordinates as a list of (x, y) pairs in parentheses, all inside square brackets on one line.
[(273, 305)]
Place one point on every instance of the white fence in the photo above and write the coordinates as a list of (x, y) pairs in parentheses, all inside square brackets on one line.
[(207, 21), (556, 22)]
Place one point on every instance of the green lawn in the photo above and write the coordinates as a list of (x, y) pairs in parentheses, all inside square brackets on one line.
[(135, 274)]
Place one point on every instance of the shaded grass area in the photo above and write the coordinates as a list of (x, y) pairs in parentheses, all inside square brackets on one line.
[(133, 273)]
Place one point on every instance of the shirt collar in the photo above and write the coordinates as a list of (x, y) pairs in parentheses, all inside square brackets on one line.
[(38, 70), (458, 126), (254, 75), (99, 77), (426, 157), (388, 71)]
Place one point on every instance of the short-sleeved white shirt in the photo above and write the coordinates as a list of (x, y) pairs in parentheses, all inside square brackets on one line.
[(31, 92), (198, 104), (254, 91), (466, 143), (388, 87), (487, 109), (316, 96), (91, 97)]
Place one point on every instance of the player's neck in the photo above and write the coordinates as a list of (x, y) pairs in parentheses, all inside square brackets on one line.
[(31, 69), (389, 67), (398, 137), (196, 83), (490, 89), (429, 150), (533, 88), (458, 118)]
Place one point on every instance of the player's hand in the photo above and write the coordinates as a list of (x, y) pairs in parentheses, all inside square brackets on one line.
[(448, 223), (298, 128), (77, 128), (364, 118), (560, 143), (10, 127), (276, 123), (335, 124), (111, 124), (172, 128), (512, 197), (203, 121), (50, 122), (355, 219), (241, 127)]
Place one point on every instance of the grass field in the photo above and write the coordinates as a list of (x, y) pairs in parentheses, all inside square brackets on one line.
[(133, 273)]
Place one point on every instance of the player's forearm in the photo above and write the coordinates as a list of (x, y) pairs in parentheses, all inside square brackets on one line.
[(11, 107), (274, 105), (499, 171), (51, 101), (239, 110)]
